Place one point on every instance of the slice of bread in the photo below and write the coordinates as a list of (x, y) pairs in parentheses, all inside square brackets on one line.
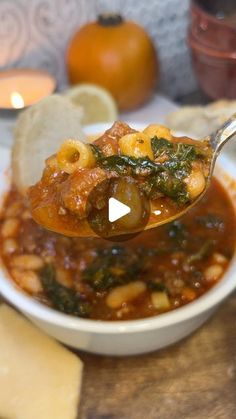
[(38, 133), (200, 121)]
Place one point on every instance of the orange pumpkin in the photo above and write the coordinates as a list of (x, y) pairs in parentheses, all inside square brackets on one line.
[(117, 55)]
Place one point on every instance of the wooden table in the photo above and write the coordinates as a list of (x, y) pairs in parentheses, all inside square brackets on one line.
[(194, 379)]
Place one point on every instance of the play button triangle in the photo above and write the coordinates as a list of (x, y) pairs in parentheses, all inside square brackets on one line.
[(116, 210)]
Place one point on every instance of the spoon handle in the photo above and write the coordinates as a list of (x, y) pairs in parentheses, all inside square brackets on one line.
[(223, 134)]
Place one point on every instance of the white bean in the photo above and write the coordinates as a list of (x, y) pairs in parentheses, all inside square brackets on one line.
[(10, 227), (213, 272), (9, 246), (195, 183), (125, 294), (219, 258), (28, 280), (25, 262)]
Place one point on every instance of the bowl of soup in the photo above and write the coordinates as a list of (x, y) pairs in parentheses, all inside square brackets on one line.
[(120, 297)]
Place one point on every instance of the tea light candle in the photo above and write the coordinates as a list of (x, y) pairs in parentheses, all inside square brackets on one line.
[(24, 87)]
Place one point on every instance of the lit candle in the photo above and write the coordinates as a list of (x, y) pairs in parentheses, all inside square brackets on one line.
[(17, 100), (24, 87)]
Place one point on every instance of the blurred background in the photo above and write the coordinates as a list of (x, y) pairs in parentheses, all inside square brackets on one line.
[(151, 57), (35, 33)]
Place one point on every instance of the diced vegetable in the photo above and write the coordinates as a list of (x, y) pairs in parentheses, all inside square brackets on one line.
[(160, 300)]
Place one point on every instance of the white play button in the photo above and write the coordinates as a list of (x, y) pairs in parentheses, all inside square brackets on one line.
[(117, 210)]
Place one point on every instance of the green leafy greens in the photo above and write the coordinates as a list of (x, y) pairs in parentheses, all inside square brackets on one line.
[(62, 298), (160, 146), (114, 266), (158, 178)]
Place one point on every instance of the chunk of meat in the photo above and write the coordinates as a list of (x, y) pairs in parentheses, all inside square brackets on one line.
[(75, 190), (108, 142)]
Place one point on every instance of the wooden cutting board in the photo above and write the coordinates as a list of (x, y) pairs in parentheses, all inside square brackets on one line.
[(194, 379)]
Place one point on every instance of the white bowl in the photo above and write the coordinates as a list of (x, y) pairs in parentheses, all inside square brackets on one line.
[(123, 337)]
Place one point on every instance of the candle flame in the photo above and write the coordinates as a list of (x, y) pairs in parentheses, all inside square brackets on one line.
[(17, 100)]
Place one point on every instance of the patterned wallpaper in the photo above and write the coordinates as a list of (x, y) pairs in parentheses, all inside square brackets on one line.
[(35, 33)]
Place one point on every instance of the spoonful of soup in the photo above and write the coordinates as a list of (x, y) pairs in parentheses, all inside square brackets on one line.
[(156, 175)]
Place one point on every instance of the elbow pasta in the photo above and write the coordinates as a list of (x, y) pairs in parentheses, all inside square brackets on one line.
[(159, 131), (74, 155), (136, 145)]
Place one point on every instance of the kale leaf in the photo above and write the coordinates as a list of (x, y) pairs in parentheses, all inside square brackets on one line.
[(62, 298), (141, 166), (114, 266), (159, 178), (160, 146), (167, 185), (177, 151)]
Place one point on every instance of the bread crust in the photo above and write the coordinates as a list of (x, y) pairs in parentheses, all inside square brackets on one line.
[(38, 133)]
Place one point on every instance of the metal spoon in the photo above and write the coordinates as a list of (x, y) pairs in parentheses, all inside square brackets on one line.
[(217, 140)]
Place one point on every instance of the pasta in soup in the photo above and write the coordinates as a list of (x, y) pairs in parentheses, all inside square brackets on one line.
[(157, 271), (169, 172)]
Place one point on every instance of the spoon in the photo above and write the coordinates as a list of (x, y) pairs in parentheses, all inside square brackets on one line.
[(217, 140), (46, 214)]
